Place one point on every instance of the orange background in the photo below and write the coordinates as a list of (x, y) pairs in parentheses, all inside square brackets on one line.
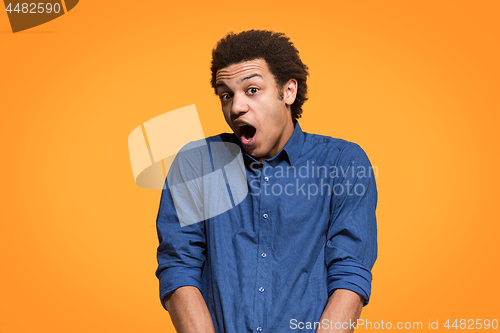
[(414, 83)]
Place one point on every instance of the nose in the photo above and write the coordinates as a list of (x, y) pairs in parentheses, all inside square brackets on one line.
[(239, 105)]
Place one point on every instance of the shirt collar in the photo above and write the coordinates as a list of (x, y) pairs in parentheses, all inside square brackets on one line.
[(291, 150), (293, 146)]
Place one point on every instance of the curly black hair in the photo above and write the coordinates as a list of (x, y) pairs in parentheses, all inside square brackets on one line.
[(275, 48)]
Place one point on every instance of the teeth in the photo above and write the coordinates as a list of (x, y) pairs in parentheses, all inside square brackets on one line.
[(242, 125)]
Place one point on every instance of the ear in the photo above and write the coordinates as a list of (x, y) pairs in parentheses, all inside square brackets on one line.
[(290, 91)]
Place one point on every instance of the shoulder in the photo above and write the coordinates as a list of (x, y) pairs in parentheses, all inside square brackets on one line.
[(202, 157), (222, 137), (193, 160), (338, 150), (202, 146)]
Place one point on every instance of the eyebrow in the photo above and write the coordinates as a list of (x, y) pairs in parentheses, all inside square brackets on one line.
[(251, 76), (222, 84)]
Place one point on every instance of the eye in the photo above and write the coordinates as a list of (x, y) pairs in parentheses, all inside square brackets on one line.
[(253, 90), (224, 97)]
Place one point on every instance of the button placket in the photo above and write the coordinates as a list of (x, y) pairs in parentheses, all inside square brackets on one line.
[(266, 204)]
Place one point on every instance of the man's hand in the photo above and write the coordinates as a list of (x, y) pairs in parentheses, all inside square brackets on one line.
[(188, 311), (343, 307)]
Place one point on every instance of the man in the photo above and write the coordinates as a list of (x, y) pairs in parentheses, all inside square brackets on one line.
[(296, 253)]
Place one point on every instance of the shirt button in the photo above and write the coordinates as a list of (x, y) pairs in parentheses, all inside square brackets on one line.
[(265, 216), (263, 254), (266, 179), (259, 329), (261, 289)]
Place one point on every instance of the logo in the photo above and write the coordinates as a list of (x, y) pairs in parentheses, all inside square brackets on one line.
[(205, 179), (28, 14)]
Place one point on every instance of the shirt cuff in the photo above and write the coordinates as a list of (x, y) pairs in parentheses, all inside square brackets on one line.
[(351, 275), (176, 277)]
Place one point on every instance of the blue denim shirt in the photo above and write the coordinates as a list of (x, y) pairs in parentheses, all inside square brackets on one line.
[(306, 227)]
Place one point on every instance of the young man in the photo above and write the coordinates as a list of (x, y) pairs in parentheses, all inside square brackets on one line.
[(297, 251)]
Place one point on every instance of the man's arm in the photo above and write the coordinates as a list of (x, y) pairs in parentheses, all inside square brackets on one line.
[(351, 247), (188, 311), (343, 307), (182, 250)]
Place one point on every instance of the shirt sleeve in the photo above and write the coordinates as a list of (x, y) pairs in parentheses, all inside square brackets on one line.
[(182, 247), (351, 248)]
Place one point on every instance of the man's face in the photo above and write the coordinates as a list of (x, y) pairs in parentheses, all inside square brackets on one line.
[(253, 109)]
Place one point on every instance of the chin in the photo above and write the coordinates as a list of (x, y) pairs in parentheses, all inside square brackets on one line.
[(255, 152)]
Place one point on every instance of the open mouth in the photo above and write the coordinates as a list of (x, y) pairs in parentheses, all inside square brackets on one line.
[(247, 133)]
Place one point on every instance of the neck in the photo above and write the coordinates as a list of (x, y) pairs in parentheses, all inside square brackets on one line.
[(283, 139)]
